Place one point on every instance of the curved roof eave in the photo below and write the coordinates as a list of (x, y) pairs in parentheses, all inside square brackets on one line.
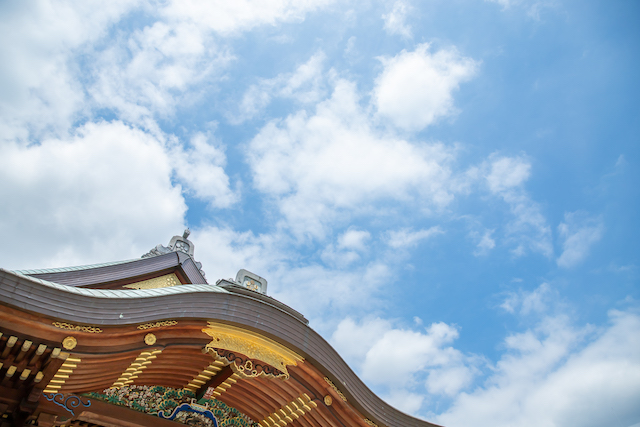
[(114, 308)]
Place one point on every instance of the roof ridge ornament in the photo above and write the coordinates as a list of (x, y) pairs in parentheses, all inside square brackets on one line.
[(176, 244)]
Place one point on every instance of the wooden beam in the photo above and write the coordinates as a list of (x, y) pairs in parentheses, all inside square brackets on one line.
[(214, 382)]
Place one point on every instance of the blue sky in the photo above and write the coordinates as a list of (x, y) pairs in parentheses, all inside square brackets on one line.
[(446, 189)]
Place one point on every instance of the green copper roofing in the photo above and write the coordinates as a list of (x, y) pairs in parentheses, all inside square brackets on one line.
[(122, 293), (76, 268)]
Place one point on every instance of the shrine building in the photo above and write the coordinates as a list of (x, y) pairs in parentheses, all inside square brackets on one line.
[(149, 342)]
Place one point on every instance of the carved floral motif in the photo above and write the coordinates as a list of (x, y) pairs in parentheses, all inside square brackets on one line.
[(333, 386), (79, 328), (246, 367), (161, 324)]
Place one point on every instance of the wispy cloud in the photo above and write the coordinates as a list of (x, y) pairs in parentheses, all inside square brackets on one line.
[(534, 302), (505, 178), (395, 19), (579, 232), (307, 84), (200, 167), (552, 374), (485, 243), (408, 237)]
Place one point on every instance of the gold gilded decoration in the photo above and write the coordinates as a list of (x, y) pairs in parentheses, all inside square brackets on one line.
[(333, 386), (161, 324), (290, 412), (137, 366), (78, 328), (250, 344), (149, 339), (246, 367), (226, 385), (328, 400), (165, 281), (69, 343), (205, 375), (371, 423), (64, 372)]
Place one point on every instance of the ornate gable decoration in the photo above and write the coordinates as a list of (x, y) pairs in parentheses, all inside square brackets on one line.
[(176, 244), (165, 281), (250, 354)]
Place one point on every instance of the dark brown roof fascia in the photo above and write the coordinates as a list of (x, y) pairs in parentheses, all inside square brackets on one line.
[(190, 269)]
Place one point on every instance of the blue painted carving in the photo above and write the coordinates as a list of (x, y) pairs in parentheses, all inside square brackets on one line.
[(69, 402), (186, 407)]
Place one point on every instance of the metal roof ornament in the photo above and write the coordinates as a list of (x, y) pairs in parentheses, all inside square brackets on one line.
[(176, 244)]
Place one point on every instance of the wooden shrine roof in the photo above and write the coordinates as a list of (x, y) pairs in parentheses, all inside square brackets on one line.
[(193, 337)]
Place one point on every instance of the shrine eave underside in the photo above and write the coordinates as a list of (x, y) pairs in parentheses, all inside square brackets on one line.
[(176, 318)]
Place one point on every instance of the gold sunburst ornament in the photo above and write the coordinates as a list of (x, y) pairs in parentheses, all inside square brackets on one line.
[(150, 339), (69, 343)]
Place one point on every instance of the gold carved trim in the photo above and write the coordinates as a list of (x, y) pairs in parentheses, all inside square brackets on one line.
[(70, 327), (369, 422), (252, 345), (137, 366), (166, 281), (205, 375), (161, 324), (333, 386), (226, 385), (290, 412), (63, 373)]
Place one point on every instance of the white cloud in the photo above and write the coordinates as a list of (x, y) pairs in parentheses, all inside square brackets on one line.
[(505, 177), (201, 168), (504, 3), (451, 380), (533, 8), (485, 244), (354, 239), (416, 88), (317, 166), (579, 232), (38, 82), (150, 72), (507, 173), (229, 18), (103, 194), (355, 339), (526, 303), (546, 379), (58, 53), (430, 365), (306, 85), (394, 21), (348, 248), (407, 237), (321, 293), (405, 400)]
